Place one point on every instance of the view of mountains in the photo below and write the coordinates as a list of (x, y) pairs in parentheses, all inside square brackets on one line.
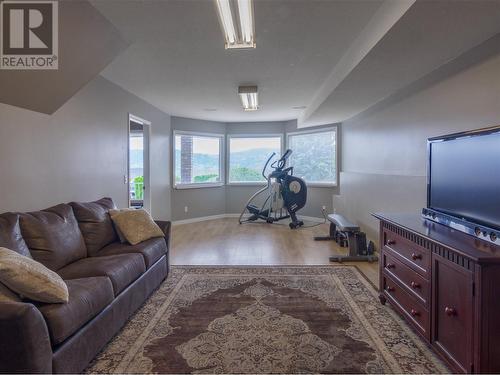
[(206, 163), (314, 163)]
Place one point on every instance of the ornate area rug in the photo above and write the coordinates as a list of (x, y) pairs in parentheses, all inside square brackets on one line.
[(266, 320)]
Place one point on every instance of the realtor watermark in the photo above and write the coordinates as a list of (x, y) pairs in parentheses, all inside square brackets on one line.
[(29, 37)]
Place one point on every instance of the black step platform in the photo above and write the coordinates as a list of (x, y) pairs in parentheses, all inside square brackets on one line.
[(346, 233)]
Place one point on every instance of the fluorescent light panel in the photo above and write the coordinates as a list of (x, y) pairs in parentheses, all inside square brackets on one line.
[(249, 97), (244, 37), (226, 19), (246, 21)]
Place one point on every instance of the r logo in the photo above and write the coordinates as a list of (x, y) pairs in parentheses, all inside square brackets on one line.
[(29, 34)]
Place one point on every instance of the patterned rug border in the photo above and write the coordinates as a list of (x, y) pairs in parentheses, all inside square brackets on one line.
[(180, 271), (279, 266)]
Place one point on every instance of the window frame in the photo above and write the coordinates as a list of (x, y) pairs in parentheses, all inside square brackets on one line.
[(222, 172), (333, 128), (249, 135)]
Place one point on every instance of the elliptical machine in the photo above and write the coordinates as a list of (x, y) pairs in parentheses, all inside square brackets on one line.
[(286, 194)]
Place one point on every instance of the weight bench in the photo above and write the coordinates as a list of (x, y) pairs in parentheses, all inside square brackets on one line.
[(348, 234)]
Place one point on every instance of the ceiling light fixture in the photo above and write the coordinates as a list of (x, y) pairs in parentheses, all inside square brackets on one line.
[(249, 97), (245, 36)]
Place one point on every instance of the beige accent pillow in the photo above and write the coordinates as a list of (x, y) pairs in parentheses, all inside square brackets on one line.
[(136, 225), (113, 212), (30, 278), (6, 295)]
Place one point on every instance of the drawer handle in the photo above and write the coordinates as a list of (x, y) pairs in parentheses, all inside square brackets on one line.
[(416, 256), (450, 311), (389, 289), (390, 265), (414, 312), (415, 285), (391, 242)]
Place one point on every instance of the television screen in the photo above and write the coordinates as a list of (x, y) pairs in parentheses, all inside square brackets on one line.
[(464, 177)]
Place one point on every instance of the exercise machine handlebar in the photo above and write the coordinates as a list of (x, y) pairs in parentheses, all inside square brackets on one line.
[(267, 162), (279, 164)]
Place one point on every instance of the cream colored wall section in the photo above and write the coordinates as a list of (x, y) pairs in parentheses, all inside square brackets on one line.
[(79, 152), (385, 154)]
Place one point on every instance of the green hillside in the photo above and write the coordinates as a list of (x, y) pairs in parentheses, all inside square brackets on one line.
[(246, 166)]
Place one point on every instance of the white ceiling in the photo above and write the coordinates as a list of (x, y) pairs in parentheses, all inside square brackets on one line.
[(427, 36), (335, 57), (177, 59)]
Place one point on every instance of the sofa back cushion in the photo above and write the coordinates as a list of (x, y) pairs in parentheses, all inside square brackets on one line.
[(10, 234), (95, 223), (53, 236)]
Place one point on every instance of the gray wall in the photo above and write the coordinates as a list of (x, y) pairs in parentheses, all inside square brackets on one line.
[(230, 199), (384, 152), (79, 152)]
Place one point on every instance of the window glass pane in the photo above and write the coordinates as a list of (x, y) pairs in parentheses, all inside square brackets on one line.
[(197, 159), (314, 156), (248, 155), (136, 165)]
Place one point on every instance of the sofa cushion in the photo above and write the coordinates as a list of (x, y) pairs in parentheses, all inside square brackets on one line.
[(122, 269), (53, 236), (95, 223), (87, 297), (10, 234), (151, 250)]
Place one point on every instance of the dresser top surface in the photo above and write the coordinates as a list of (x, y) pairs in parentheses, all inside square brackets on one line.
[(464, 244)]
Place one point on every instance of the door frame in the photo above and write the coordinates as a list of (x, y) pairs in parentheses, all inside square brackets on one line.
[(147, 159)]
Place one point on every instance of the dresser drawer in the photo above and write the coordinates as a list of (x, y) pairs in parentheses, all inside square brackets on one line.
[(412, 254), (413, 310), (414, 283)]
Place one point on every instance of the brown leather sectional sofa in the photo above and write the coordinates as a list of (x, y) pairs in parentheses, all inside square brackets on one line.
[(107, 281)]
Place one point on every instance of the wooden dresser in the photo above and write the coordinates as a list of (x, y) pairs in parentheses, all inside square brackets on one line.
[(446, 284)]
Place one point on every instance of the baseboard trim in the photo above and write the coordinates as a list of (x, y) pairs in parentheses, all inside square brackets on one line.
[(198, 219), (225, 216), (312, 218)]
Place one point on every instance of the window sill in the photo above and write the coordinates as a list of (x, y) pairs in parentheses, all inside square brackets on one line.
[(263, 183), (322, 184), (197, 186)]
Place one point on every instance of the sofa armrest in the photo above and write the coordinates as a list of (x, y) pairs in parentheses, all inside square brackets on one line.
[(166, 228), (24, 339)]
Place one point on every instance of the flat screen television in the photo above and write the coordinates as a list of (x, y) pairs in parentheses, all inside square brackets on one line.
[(463, 186)]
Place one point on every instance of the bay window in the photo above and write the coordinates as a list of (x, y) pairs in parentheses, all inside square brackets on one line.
[(248, 154), (314, 156), (198, 160)]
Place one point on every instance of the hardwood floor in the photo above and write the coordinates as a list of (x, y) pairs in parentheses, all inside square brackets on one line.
[(225, 242)]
